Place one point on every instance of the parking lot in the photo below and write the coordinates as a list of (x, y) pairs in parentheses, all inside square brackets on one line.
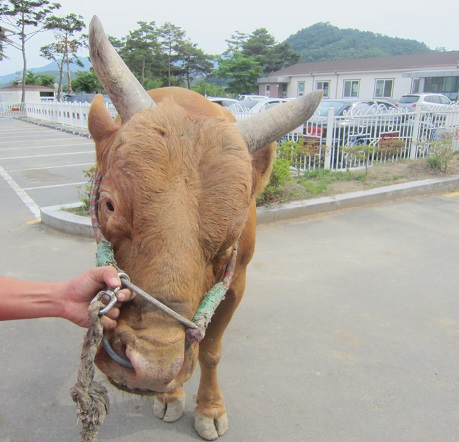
[(349, 329), (44, 166)]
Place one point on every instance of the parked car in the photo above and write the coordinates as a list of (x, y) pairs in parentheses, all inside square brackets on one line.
[(83, 98), (348, 128), (256, 106), (251, 97), (223, 101), (427, 101)]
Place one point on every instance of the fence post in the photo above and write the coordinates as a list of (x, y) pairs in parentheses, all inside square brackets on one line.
[(329, 139), (415, 134)]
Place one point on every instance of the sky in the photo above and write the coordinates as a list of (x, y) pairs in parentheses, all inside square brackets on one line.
[(208, 23)]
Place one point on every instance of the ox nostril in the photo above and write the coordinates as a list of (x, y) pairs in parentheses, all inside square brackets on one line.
[(153, 373), (114, 355)]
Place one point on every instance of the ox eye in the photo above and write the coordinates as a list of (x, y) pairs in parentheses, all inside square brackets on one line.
[(110, 206)]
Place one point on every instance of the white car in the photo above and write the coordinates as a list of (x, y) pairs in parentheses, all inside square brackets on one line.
[(251, 97), (223, 101), (258, 105), (427, 101)]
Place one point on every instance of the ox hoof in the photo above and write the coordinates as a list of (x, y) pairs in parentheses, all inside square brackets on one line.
[(209, 428), (169, 411)]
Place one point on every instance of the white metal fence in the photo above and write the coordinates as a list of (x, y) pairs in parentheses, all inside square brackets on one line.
[(353, 140), (66, 114), (331, 142)]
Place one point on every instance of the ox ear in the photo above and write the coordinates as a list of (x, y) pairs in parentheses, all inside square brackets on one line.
[(262, 166), (101, 126)]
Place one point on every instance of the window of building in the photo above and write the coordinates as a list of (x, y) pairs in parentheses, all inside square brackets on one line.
[(300, 88), (415, 85), (284, 90), (267, 90), (384, 88), (351, 88), (443, 85), (325, 87)]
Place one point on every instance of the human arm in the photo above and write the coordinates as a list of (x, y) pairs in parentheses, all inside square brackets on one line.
[(70, 300)]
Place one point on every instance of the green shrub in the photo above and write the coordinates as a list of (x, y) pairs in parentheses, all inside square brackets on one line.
[(359, 153), (441, 151), (300, 153), (280, 177), (434, 161), (84, 192)]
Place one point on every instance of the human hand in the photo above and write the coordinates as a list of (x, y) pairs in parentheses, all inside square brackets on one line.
[(81, 290)]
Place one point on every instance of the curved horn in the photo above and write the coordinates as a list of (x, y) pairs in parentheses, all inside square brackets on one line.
[(125, 91), (266, 127)]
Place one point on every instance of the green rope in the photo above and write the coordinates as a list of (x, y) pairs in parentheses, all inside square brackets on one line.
[(105, 254)]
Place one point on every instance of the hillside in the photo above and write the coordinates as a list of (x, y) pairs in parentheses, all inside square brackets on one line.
[(49, 69), (325, 42)]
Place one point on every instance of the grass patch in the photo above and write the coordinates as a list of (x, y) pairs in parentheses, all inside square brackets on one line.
[(318, 181), (80, 211)]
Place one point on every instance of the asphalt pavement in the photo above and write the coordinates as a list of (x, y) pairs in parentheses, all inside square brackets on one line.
[(348, 331)]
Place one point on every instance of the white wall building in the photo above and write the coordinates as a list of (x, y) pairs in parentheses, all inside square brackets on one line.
[(34, 93), (379, 77)]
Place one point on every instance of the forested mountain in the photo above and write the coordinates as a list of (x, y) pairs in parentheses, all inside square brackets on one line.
[(325, 42)]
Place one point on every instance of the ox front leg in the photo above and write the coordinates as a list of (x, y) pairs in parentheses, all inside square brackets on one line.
[(169, 406), (211, 420)]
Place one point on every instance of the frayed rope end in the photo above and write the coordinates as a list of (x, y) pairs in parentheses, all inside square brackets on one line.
[(93, 405)]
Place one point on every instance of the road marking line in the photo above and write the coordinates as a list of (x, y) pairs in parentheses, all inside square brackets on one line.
[(29, 202), (46, 156), (52, 167), (55, 185), (32, 137), (47, 145)]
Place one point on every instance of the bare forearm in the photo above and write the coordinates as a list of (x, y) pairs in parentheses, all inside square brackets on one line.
[(27, 299), (69, 300)]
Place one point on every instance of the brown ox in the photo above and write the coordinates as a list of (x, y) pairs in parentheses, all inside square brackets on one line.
[(179, 182)]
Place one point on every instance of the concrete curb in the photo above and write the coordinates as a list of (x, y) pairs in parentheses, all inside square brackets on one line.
[(378, 195), (57, 218), (67, 129)]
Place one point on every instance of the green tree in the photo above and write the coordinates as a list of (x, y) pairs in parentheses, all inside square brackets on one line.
[(3, 41), (236, 43), (141, 51), (248, 57), (242, 73), (281, 55), (65, 29), (172, 39), (272, 55), (194, 62), (260, 42), (53, 52), (87, 81), (208, 89), (39, 79), (25, 17), (161, 56)]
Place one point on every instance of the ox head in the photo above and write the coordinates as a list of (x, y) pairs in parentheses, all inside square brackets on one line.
[(179, 179)]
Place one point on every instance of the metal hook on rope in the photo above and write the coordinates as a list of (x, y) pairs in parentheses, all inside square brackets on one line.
[(110, 294)]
